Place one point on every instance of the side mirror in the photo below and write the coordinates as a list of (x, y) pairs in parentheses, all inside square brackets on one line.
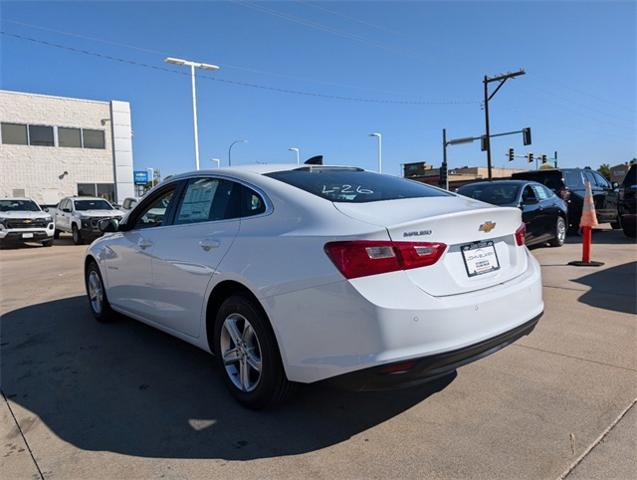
[(46, 209), (108, 225), (615, 185), (67, 210)]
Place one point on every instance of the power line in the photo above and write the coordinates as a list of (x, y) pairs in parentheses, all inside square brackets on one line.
[(236, 82), (225, 64), (353, 19), (325, 28)]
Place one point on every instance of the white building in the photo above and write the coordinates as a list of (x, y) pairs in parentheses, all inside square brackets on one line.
[(52, 147)]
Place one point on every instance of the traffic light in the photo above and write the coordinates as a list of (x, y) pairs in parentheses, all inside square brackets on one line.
[(483, 143), (511, 154), (543, 158), (442, 181), (526, 136), (530, 157)]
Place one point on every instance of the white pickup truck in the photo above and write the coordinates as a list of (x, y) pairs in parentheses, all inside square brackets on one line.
[(80, 216), (22, 220)]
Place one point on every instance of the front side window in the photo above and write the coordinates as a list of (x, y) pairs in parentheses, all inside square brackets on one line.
[(83, 205), (573, 179), (601, 181), (14, 134), (590, 178), (40, 135), (18, 206), (69, 137), (93, 138), (154, 214), (354, 185)]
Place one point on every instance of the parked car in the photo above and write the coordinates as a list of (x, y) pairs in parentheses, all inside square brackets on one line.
[(543, 212), (627, 208), (302, 274), (22, 220), (568, 184), (129, 203), (80, 216)]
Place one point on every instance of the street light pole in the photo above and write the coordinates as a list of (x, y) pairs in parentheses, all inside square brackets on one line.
[(379, 136), (152, 176), (193, 65), (298, 154), (216, 160), (230, 150), (445, 167)]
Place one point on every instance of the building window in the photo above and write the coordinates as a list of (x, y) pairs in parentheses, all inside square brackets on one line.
[(40, 135), (102, 190), (14, 134), (69, 137), (86, 190), (93, 138), (106, 191)]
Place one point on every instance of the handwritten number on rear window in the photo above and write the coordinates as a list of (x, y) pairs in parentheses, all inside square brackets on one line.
[(346, 189)]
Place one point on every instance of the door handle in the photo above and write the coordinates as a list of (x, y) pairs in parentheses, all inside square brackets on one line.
[(144, 244), (208, 244)]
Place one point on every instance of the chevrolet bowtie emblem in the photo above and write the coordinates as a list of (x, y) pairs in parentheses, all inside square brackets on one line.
[(27, 220), (486, 227)]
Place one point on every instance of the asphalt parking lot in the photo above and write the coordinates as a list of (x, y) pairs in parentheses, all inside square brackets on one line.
[(85, 400)]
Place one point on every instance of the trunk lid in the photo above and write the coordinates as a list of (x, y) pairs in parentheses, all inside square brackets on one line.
[(455, 221)]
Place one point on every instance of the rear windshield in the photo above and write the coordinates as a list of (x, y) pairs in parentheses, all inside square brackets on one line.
[(18, 206), (82, 205), (495, 193), (355, 186)]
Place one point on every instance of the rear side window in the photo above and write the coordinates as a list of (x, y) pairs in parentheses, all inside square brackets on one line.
[(354, 185), (494, 193), (541, 192)]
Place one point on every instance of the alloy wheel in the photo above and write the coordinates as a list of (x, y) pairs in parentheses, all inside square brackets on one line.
[(95, 292), (561, 230), (241, 352)]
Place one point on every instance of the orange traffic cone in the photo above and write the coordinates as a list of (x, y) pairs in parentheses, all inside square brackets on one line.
[(587, 222)]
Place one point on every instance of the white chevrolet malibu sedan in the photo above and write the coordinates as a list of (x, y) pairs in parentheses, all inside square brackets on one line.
[(301, 274)]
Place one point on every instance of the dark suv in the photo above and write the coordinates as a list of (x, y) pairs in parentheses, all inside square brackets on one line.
[(627, 208), (568, 183)]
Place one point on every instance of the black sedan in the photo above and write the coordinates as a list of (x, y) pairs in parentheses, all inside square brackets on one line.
[(543, 212)]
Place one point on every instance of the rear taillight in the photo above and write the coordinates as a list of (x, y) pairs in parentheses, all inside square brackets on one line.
[(360, 258), (519, 234)]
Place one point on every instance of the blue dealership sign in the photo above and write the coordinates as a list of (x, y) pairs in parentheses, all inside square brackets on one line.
[(140, 177)]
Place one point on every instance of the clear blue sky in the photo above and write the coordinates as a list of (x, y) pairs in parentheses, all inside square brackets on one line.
[(578, 95)]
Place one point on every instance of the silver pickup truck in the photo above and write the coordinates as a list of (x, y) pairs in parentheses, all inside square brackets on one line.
[(22, 220), (80, 216)]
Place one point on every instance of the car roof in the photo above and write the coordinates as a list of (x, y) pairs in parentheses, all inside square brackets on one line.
[(13, 199), (86, 198)]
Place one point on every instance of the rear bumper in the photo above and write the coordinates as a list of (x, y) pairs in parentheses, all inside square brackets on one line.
[(342, 327), (428, 368)]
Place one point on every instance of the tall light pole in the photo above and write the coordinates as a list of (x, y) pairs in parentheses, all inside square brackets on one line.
[(217, 161), (152, 176), (230, 150), (298, 154), (380, 150), (193, 65)]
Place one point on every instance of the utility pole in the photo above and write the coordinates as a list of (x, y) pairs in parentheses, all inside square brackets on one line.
[(501, 79), (444, 169)]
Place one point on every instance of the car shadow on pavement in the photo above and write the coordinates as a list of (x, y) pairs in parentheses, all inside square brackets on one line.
[(612, 288), (128, 388)]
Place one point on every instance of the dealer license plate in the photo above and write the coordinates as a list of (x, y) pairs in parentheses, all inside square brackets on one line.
[(480, 258), (27, 235)]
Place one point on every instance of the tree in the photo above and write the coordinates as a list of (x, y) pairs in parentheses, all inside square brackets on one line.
[(604, 169)]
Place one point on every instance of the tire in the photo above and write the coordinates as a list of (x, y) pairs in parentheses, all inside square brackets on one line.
[(559, 234), (56, 234), (77, 235), (47, 243), (98, 303), (240, 321)]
